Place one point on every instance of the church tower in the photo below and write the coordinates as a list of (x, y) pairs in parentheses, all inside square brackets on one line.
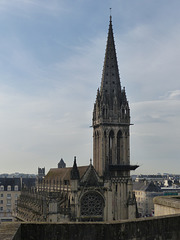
[(111, 148), (111, 118)]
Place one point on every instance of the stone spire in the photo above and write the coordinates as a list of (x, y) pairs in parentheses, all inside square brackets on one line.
[(111, 103), (110, 77), (75, 171)]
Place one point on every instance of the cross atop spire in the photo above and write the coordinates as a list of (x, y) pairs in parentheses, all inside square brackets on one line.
[(110, 14)]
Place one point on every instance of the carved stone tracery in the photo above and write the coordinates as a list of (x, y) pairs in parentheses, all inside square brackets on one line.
[(92, 204)]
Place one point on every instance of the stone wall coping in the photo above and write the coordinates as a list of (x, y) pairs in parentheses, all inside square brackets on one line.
[(168, 201), (160, 227), (8, 230), (105, 223)]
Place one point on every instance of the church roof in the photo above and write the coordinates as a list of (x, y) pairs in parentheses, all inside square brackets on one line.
[(90, 177), (63, 173)]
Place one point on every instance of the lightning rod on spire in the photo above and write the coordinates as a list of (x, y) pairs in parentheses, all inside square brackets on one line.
[(110, 9)]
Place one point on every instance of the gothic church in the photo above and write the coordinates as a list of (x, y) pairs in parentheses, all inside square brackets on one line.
[(102, 191)]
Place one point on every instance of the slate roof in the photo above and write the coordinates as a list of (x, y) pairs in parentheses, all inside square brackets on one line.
[(26, 182), (146, 187), (63, 173), (10, 182)]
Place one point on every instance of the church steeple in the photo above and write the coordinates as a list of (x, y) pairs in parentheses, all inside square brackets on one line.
[(111, 103), (110, 83), (111, 115)]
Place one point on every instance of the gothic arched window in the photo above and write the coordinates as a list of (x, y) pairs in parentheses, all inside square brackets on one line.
[(111, 146), (92, 204), (119, 147)]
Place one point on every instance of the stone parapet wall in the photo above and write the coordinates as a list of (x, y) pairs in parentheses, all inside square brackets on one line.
[(9, 230), (165, 228), (166, 205)]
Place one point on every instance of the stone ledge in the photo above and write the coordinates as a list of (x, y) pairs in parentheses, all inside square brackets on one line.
[(166, 227), (138, 220), (162, 227), (8, 230), (168, 201)]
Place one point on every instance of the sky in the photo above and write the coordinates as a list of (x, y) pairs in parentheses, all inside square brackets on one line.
[(51, 60)]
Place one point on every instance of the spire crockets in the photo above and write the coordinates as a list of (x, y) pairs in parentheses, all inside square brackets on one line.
[(111, 103)]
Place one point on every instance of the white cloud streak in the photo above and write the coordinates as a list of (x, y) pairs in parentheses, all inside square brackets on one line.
[(156, 135), (26, 5)]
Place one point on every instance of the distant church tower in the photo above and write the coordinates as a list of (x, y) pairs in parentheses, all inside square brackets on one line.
[(111, 121)]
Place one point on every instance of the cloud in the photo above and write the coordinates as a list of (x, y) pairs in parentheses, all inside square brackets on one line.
[(46, 111), (158, 110), (155, 136), (43, 129), (149, 60), (26, 5), (172, 95)]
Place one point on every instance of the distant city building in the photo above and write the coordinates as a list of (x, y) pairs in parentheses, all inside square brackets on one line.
[(61, 164), (17, 175), (165, 184), (10, 190), (158, 177), (102, 191), (171, 190), (145, 192)]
